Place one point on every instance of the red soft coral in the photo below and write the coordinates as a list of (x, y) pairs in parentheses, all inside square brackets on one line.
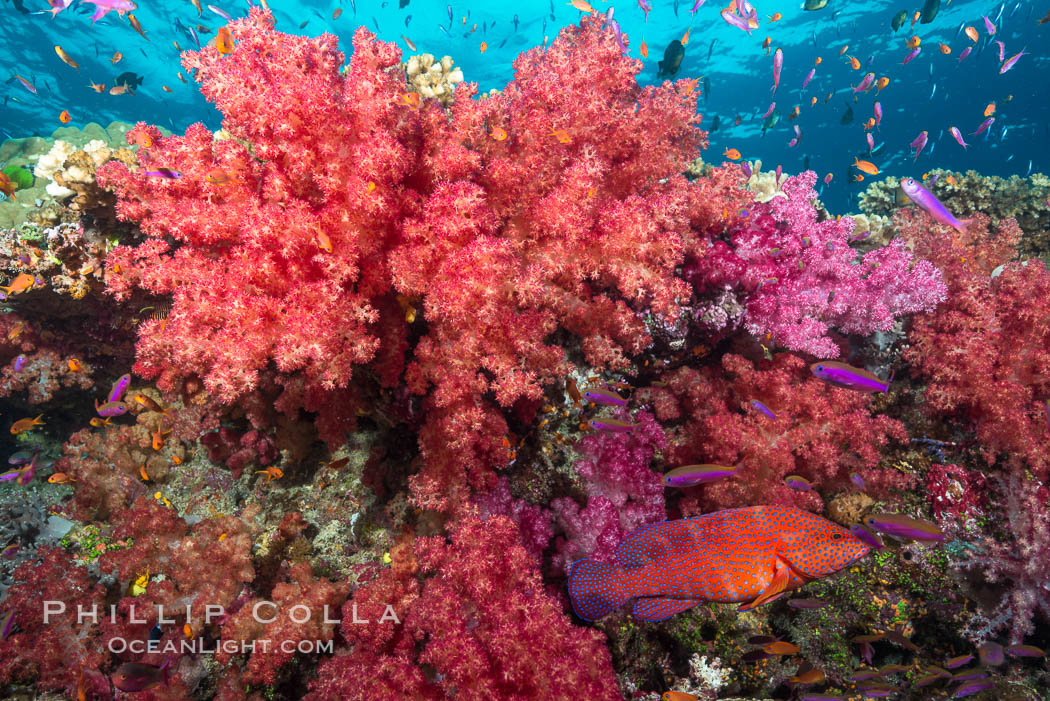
[(501, 242), (986, 351), (474, 623), (821, 433)]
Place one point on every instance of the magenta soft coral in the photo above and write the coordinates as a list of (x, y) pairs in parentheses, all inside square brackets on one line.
[(797, 277), (821, 433), (474, 623), (623, 493)]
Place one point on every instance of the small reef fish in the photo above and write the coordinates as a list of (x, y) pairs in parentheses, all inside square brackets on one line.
[(26, 84), (752, 555), (111, 408), (869, 537), (732, 154), (604, 397), (611, 425), (673, 55), (23, 425), (103, 7), (116, 392), (929, 203), (848, 377), (957, 135), (865, 166), (66, 58), (21, 283), (60, 478), (762, 409), (136, 676), (272, 473), (223, 41), (901, 526), (1011, 61), (165, 173), (778, 65), (799, 484), (692, 475)]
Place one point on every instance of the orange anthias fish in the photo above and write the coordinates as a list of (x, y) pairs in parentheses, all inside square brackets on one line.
[(498, 133), (775, 17), (97, 87), (224, 41), (854, 62), (732, 154), (972, 34), (751, 555), (116, 58), (483, 47), (883, 82), (989, 110), (945, 49), (8, 187), (21, 283), (66, 58), (685, 37), (23, 425), (644, 49), (64, 117), (865, 166)]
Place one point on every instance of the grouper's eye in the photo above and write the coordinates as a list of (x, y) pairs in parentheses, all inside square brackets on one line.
[(836, 536)]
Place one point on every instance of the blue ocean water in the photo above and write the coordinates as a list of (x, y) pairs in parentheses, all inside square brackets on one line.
[(931, 93)]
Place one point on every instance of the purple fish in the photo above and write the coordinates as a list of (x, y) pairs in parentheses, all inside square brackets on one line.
[(799, 484), (745, 168), (9, 551), (968, 674), (793, 143), (104, 6), (864, 675), (166, 173), (871, 142), (696, 6), (865, 83), (958, 661), (611, 425), (877, 691), (901, 526), (646, 6), (914, 52), (58, 5), (615, 26), (111, 408), (735, 20), (762, 409), (772, 106), (691, 475), (603, 397), (972, 687), (806, 604), (920, 143), (990, 654), (220, 13), (989, 27), (1011, 61), (868, 537), (778, 64), (857, 480), (1002, 50), (1025, 651), (809, 77), (10, 475), (926, 680), (931, 205), (984, 125), (135, 676), (957, 135), (846, 376), (116, 393), (20, 362), (877, 109), (26, 84)]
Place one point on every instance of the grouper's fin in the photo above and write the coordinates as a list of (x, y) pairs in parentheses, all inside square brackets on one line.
[(781, 578), (659, 608), (597, 589)]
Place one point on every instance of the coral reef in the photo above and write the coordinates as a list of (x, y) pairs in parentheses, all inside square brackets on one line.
[(433, 78)]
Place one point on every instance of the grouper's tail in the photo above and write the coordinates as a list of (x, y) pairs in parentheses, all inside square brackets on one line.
[(597, 589)]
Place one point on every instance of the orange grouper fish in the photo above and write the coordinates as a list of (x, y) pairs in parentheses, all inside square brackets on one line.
[(751, 555)]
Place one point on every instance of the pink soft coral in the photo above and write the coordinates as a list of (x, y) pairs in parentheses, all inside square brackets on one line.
[(797, 277)]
